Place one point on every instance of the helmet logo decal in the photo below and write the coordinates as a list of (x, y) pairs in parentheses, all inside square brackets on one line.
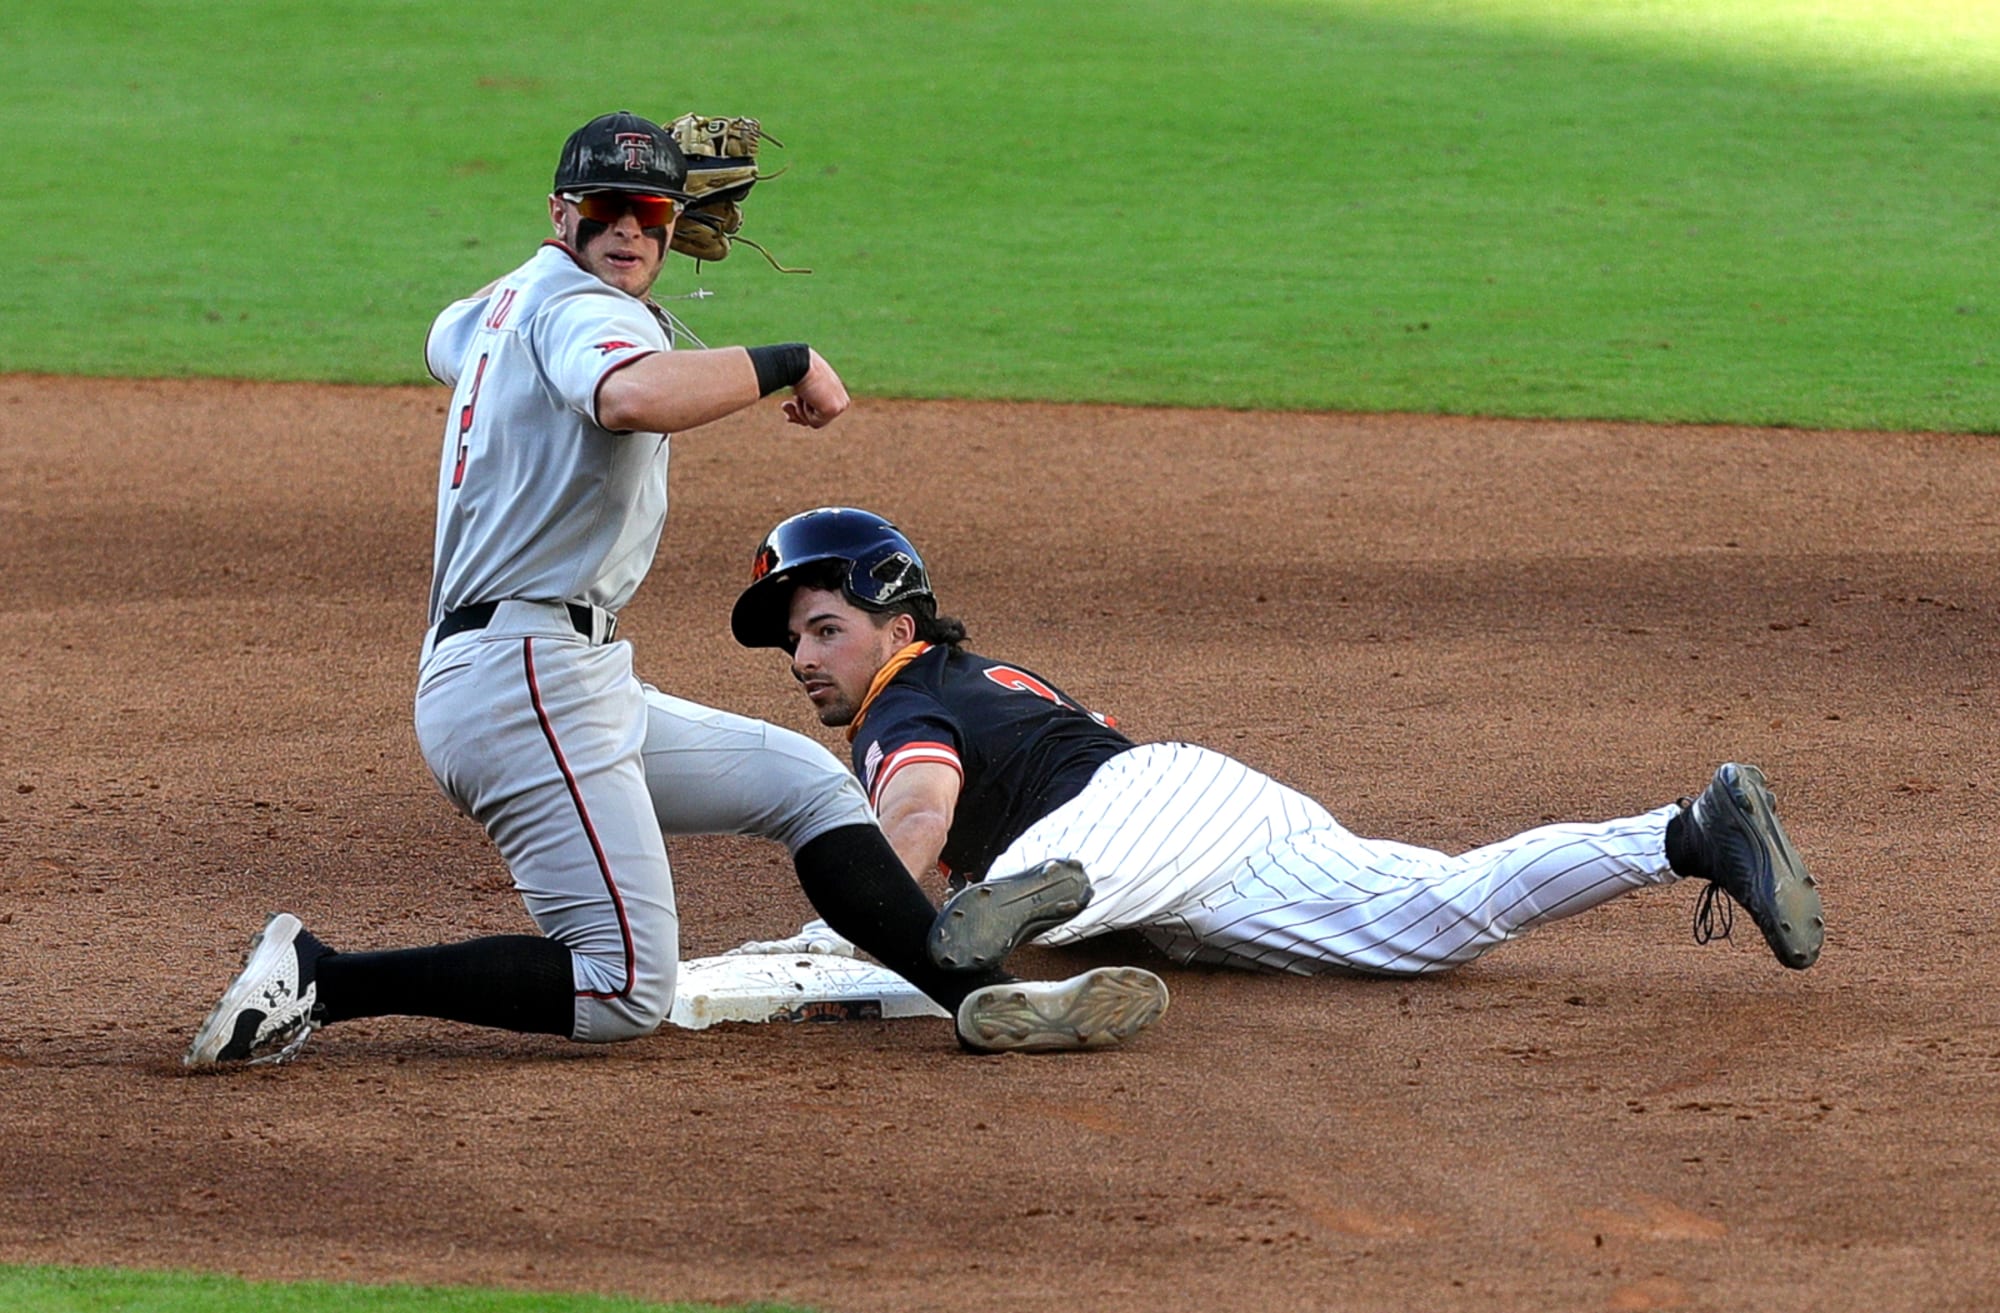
[(888, 576), (767, 556), (638, 148)]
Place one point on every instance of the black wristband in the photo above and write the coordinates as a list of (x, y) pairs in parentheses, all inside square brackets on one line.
[(779, 366)]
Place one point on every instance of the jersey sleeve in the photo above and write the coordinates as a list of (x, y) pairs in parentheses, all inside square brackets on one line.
[(584, 336), (904, 726), (444, 345)]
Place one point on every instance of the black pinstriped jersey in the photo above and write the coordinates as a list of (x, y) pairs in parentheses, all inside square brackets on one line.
[(1021, 746)]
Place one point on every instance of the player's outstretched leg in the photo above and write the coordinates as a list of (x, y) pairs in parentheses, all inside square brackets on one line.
[(1731, 837), (1091, 1011), (267, 1013), (982, 923)]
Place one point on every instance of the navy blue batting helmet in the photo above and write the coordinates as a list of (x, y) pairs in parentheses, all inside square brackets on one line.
[(883, 569)]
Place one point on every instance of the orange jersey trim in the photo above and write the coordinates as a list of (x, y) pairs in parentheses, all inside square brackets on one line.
[(912, 754), (890, 669)]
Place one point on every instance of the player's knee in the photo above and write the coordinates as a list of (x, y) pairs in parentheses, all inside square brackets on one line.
[(651, 999), (631, 1024), (649, 1010), (635, 1011), (619, 1019)]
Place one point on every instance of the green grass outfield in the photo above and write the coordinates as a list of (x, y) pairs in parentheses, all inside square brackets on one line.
[(1772, 212), (85, 1290)]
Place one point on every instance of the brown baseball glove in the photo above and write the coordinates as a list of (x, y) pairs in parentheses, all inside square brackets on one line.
[(721, 169)]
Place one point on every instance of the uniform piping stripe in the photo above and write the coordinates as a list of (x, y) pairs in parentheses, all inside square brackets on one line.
[(909, 755), (589, 830), (609, 370)]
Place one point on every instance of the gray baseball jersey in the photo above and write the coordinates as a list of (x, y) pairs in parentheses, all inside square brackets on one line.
[(529, 715), (535, 498)]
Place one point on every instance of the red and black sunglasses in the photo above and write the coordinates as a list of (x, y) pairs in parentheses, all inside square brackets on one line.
[(606, 206)]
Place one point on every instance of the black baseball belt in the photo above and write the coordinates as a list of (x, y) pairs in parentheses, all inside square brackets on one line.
[(480, 614)]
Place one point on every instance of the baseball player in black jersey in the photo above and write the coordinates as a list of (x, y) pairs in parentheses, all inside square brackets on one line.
[(1021, 746), (1056, 826)]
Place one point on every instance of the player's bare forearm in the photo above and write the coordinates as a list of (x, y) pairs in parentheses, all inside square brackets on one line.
[(919, 841), (916, 825), (674, 391), (916, 808)]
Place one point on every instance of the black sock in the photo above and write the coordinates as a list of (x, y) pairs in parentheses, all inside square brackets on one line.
[(859, 886), (1683, 854), (517, 982)]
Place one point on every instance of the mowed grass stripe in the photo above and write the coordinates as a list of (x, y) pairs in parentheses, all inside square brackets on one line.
[(1509, 208), (39, 1289)]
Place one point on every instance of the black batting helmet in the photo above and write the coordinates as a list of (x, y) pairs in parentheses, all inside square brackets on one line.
[(622, 152), (883, 569)]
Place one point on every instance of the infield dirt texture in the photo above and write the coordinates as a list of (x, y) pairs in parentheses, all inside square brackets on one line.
[(1447, 630)]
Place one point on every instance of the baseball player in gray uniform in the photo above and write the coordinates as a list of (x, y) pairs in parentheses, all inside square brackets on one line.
[(551, 499), (1059, 827)]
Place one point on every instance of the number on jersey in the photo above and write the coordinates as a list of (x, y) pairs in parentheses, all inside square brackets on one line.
[(465, 423), (1020, 681)]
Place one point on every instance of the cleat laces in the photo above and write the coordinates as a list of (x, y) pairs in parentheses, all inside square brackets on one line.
[(1708, 923)]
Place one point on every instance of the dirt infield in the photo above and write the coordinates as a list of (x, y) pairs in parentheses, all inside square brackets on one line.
[(1447, 630)]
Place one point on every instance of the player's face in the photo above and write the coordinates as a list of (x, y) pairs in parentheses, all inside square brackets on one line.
[(837, 648), (624, 253)]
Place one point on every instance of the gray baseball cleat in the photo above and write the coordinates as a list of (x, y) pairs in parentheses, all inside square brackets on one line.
[(1734, 824), (266, 1014), (1092, 1011), (982, 923)]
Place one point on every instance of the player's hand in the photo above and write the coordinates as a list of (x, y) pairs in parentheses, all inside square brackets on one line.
[(814, 936), (819, 398)]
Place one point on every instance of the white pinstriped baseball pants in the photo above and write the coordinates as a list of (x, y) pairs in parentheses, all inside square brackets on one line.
[(1213, 862)]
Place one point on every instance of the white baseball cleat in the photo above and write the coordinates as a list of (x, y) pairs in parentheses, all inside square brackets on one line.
[(1092, 1011), (266, 1014)]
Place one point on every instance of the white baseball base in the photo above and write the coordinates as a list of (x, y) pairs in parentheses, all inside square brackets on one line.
[(792, 987)]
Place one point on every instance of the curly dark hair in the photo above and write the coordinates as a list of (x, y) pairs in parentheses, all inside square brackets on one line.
[(831, 576)]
